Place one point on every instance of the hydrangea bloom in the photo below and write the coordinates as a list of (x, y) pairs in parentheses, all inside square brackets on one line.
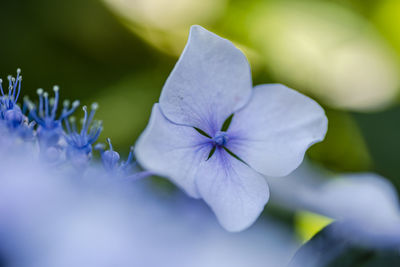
[(111, 162), (41, 132), (9, 110), (50, 129), (215, 136), (79, 149), (12, 118)]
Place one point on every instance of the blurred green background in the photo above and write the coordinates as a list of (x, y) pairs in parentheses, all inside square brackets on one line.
[(343, 53)]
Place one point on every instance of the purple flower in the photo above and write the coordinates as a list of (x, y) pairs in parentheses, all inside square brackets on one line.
[(12, 117), (215, 136), (10, 112), (50, 129), (110, 159), (79, 143)]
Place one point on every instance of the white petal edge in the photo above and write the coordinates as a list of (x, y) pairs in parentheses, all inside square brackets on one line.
[(210, 81)]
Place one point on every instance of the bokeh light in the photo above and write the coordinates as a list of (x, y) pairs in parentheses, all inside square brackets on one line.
[(327, 51)]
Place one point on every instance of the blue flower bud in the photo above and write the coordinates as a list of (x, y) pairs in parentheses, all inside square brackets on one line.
[(13, 117), (110, 158)]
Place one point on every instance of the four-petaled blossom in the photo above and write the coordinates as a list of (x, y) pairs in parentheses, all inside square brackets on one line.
[(215, 136)]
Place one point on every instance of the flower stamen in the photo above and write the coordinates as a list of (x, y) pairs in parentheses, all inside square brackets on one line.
[(220, 139)]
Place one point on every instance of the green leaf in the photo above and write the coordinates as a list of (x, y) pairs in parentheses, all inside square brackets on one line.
[(202, 132), (227, 123)]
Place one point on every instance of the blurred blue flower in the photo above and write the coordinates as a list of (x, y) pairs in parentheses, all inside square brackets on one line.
[(50, 219), (214, 136), (365, 204)]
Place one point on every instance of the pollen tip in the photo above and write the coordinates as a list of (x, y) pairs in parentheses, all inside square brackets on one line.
[(75, 104), (72, 119), (39, 91), (45, 94), (84, 108), (95, 106), (31, 106), (66, 103), (56, 88), (18, 70)]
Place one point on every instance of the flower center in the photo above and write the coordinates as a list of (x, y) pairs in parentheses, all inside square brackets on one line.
[(220, 138)]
